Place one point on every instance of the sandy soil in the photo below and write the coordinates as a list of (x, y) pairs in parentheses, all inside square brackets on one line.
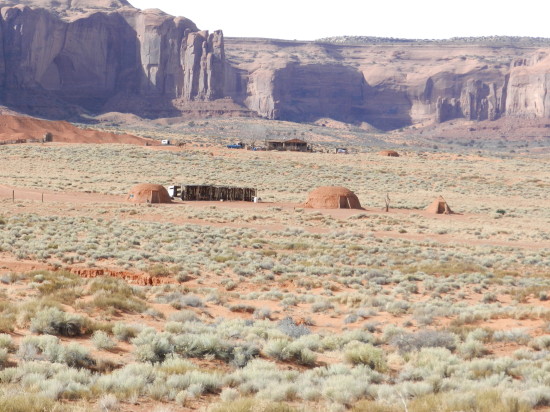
[(29, 128)]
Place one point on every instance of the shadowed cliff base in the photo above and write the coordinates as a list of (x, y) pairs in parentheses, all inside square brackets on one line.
[(306, 93)]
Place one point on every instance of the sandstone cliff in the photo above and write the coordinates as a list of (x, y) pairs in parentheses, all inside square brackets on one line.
[(57, 56), (103, 52), (392, 85)]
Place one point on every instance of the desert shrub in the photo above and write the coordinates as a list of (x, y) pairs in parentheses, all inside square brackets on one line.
[(6, 342), (192, 301), (52, 283), (115, 294), (472, 349), (284, 350), (321, 306), (28, 402), (102, 341), (351, 318), (77, 356), (262, 313), (119, 302), (124, 332), (366, 354), (514, 335), (489, 400), (183, 316), (49, 348), (229, 394), (242, 308), (540, 343), (489, 297), (53, 321), (174, 365), (153, 346), (372, 406), (108, 403), (252, 405), (112, 285), (391, 331), (195, 382), (206, 344), (290, 328), (398, 307), (3, 357), (7, 322), (538, 396), (407, 342), (159, 270)]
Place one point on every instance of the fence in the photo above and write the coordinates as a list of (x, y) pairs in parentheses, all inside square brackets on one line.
[(20, 141), (205, 192)]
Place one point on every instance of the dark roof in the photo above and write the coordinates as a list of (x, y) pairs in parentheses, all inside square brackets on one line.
[(295, 141)]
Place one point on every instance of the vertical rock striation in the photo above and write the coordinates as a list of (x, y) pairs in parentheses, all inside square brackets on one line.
[(93, 57)]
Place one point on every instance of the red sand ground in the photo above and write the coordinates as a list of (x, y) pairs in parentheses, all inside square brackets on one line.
[(83, 200)]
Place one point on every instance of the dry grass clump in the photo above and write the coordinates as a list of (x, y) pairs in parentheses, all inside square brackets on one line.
[(251, 405), (28, 402), (116, 295)]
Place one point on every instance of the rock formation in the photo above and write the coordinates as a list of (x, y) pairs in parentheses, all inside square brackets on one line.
[(59, 56), (89, 56), (391, 85), (528, 86)]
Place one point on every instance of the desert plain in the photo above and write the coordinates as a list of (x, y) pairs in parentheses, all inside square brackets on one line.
[(108, 305)]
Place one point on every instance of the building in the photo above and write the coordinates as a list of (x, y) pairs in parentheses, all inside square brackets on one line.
[(293, 145)]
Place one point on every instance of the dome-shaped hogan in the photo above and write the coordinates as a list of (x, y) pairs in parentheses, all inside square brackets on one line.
[(390, 153), (148, 193), (332, 197)]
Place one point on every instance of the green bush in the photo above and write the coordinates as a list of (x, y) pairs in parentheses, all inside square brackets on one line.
[(366, 354)]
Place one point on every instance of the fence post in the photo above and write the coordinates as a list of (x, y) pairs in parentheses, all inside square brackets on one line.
[(13, 196)]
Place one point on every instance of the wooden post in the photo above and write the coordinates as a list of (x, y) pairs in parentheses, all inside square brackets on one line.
[(13, 196), (42, 197)]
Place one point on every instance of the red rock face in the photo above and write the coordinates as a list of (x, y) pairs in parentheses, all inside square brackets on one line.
[(104, 54), (58, 56), (392, 85)]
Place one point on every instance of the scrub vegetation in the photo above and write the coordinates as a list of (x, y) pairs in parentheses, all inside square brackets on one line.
[(273, 307)]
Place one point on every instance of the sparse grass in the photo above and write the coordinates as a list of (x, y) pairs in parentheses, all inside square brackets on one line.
[(327, 299), (28, 402), (251, 405)]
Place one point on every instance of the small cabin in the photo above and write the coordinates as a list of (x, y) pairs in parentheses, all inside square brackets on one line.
[(293, 145), (165, 142)]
